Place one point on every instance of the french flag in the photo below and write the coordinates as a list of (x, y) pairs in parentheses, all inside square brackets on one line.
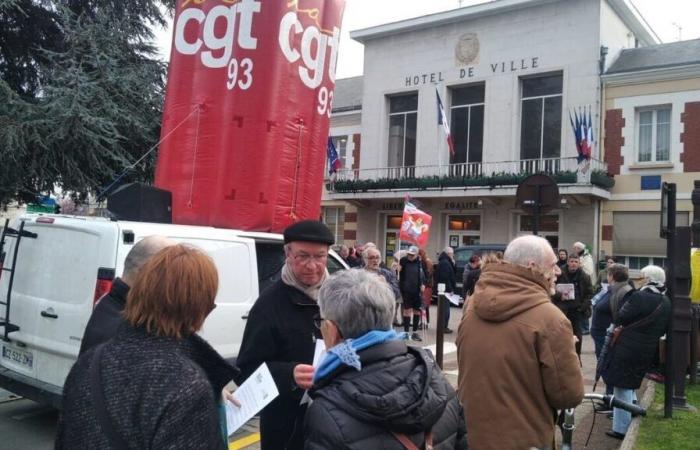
[(442, 120), (334, 163)]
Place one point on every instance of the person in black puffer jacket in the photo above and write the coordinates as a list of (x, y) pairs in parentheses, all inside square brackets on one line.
[(159, 382), (644, 318), (372, 391)]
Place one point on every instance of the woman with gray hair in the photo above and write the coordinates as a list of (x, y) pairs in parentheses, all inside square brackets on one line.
[(372, 390), (642, 320)]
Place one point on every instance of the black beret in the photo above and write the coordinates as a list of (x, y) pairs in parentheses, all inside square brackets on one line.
[(308, 231)]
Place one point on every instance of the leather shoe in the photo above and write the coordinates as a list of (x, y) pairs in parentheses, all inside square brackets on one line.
[(447, 331), (615, 434)]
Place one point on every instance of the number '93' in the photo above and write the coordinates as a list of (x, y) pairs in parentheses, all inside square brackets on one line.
[(325, 101), (240, 74)]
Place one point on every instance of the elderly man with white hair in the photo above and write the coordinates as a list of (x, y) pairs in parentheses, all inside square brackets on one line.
[(373, 391), (642, 320), (515, 352)]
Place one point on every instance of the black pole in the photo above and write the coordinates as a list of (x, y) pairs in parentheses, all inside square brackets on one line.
[(440, 328), (681, 316), (670, 277), (695, 230), (536, 217)]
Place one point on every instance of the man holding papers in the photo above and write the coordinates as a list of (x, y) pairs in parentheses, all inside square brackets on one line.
[(281, 333)]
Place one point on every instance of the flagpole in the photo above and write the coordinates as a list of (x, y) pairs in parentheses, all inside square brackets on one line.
[(437, 145)]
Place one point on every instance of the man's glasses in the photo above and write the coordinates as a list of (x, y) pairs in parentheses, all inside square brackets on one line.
[(305, 258), (373, 257), (318, 320)]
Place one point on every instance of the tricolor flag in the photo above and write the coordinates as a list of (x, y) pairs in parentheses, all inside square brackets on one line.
[(415, 225), (582, 127), (442, 120), (334, 163)]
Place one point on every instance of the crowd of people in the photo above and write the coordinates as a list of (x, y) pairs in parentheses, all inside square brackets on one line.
[(145, 379)]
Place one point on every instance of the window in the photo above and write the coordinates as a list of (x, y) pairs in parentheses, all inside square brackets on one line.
[(467, 124), (464, 230), (334, 218), (403, 117), (392, 242), (654, 134), (639, 262), (540, 126), (548, 227), (341, 146)]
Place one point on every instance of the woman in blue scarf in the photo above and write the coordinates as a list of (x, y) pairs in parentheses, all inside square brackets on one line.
[(372, 390)]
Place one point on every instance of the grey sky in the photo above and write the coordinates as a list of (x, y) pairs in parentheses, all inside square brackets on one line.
[(664, 16)]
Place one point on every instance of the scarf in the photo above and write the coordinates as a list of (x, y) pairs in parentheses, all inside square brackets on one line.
[(290, 279), (346, 351), (653, 286)]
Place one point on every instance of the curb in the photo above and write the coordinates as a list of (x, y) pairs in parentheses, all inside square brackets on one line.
[(633, 431)]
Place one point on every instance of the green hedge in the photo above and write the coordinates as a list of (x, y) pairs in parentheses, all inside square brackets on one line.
[(598, 178)]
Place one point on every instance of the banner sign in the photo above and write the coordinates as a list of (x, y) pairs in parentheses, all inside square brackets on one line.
[(415, 226), (247, 108)]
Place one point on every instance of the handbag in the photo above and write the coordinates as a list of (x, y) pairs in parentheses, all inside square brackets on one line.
[(618, 329), (410, 445)]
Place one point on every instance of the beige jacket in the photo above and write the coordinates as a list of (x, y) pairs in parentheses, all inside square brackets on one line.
[(517, 361)]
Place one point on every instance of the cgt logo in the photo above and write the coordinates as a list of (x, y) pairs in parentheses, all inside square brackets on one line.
[(312, 48), (244, 10)]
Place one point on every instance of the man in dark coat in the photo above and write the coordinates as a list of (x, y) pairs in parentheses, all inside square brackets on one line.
[(280, 332), (446, 274), (107, 315), (411, 286), (644, 318), (580, 307)]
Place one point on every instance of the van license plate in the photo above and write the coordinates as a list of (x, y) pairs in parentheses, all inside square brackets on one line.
[(20, 357)]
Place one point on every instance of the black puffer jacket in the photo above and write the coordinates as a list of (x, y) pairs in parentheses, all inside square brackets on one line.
[(632, 355), (399, 389), (160, 393)]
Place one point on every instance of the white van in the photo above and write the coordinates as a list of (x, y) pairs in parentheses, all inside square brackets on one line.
[(60, 273)]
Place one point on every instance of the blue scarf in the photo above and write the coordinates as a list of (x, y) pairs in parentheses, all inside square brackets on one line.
[(346, 351)]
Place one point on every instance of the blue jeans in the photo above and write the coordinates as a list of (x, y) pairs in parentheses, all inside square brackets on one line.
[(447, 314), (585, 324), (622, 418)]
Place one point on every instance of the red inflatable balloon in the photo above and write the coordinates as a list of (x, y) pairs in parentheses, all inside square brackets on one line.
[(248, 102)]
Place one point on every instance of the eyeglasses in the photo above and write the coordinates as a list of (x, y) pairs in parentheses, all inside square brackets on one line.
[(373, 257), (305, 258), (318, 320)]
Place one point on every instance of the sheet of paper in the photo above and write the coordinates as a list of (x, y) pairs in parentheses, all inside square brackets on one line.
[(567, 290), (319, 354), (254, 394), (453, 298)]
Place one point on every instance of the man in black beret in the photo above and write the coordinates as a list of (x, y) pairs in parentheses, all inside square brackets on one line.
[(280, 332)]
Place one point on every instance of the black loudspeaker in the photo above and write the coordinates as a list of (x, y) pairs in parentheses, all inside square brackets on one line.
[(141, 203)]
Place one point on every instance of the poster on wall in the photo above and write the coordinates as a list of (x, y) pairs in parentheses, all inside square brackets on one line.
[(247, 108)]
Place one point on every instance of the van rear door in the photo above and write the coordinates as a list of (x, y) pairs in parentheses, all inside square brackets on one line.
[(53, 293)]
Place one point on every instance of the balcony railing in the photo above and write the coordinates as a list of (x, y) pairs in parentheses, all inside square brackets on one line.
[(503, 173)]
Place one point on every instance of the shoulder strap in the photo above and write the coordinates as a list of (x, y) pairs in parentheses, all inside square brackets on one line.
[(114, 438), (406, 442)]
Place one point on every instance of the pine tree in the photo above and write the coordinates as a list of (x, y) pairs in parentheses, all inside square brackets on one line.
[(97, 107)]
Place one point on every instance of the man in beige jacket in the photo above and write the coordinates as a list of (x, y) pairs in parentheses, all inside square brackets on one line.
[(515, 349)]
